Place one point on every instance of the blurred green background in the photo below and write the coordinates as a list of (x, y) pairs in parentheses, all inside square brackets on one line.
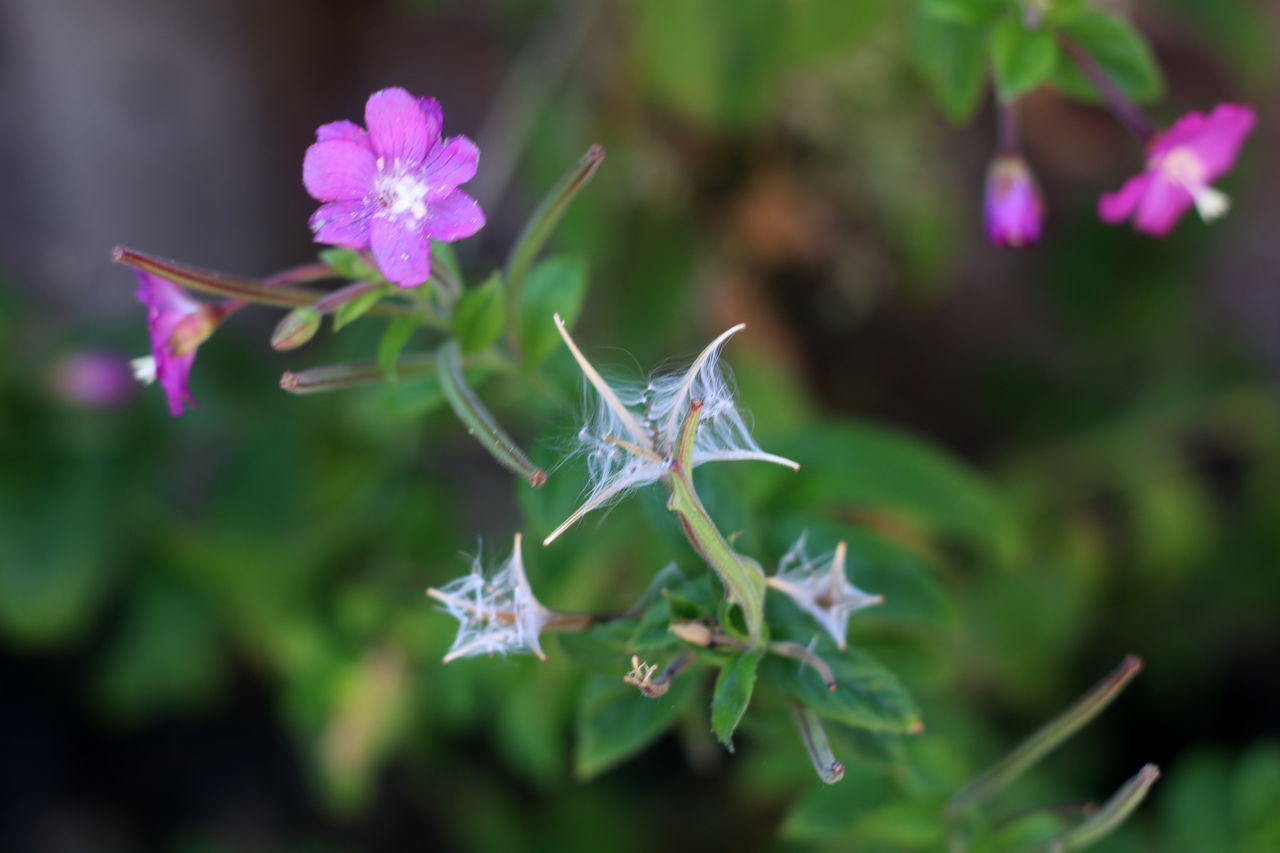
[(212, 629)]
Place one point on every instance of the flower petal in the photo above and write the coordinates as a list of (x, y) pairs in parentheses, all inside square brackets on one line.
[(434, 115), (1219, 142), (338, 170), (401, 250), (450, 163), (167, 306), (174, 373), (398, 126), (1162, 206), (348, 130), (453, 217), (342, 223), (1118, 206)]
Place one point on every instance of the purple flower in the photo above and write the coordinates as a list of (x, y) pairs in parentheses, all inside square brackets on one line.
[(1181, 163), (393, 188), (1012, 205), (92, 379), (178, 325)]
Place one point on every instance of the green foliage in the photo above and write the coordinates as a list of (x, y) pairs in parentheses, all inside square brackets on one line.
[(1118, 48), (867, 695), (348, 263), (478, 316), (732, 693), (349, 312), (397, 334), (556, 285), (1021, 57), (951, 51), (615, 721)]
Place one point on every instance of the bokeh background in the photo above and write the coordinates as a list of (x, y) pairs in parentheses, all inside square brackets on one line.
[(212, 629)]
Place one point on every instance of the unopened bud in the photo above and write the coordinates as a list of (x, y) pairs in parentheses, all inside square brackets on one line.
[(298, 326), (694, 633)]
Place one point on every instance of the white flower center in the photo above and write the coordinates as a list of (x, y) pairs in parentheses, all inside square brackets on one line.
[(1184, 168), (144, 369), (400, 192)]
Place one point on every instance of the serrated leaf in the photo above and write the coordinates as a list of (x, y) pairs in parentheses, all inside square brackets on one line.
[(952, 56), (348, 264), (1021, 58), (867, 695), (397, 334), (732, 694), (349, 312), (478, 316), (1118, 48), (615, 721), (555, 286)]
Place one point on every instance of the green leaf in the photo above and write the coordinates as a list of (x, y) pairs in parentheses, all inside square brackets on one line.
[(615, 721), (397, 334), (555, 286), (1118, 48), (856, 466), (867, 695), (348, 264), (1022, 58), (734, 685), (604, 649), (349, 312), (952, 56), (442, 255), (477, 319), (972, 12)]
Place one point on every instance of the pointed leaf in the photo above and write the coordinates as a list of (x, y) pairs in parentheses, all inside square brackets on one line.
[(398, 332), (734, 685), (555, 286), (615, 721), (1022, 58), (477, 319), (866, 695)]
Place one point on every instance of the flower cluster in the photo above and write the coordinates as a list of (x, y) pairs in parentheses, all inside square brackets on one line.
[(1182, 163)]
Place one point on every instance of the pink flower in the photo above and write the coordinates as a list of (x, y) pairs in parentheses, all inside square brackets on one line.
[(1012, 205), (393, 188), (178, 325), (1181, 163)]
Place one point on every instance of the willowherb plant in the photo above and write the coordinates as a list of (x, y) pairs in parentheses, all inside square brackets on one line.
[(1086, 53), (390, 205)]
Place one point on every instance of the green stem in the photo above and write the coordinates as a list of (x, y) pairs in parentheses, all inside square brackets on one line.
[(816, 745), (538, 229), (478, 420), (744, 582), (1048, 736), (1113, 812), (230, 286), (334, 377)]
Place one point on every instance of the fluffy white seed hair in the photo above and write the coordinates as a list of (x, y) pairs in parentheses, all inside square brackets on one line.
[(630, 432), (496, 615)]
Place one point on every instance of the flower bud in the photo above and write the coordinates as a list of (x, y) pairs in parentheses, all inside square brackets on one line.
[(1012, 206), (298, 326)]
